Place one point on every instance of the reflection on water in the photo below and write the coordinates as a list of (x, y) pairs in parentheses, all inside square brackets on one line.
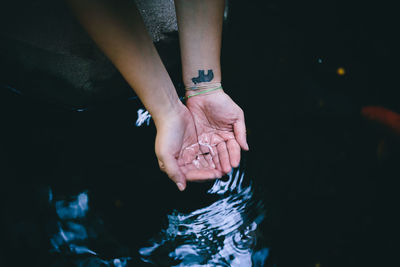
[(222, 234), (72, 233), (143, 117)]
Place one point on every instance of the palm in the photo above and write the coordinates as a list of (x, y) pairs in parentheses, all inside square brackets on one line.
[(179, 153), (220, 128)]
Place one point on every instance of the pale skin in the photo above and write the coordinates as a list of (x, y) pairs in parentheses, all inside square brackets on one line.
[(217, 118), (117, 28)]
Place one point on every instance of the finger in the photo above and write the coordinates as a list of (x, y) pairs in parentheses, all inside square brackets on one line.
[(169, 165), (234, 152), (181, 161), (239, 129), (208, 153), (203, 161), (215, 159), (224, 157), (209, 159), (202, 175)]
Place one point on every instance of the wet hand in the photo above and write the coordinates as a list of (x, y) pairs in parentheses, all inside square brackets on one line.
[(220, 128), (178, 151)]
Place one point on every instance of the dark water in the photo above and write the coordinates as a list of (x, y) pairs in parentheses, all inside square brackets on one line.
[(219, 230), (319, 187), (222, 234)]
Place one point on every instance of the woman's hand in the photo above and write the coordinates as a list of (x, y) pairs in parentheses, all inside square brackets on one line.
[(220, 128), (178, 151)]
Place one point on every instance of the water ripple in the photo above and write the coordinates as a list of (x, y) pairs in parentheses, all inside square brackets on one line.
[(69, 236), (222, 234)]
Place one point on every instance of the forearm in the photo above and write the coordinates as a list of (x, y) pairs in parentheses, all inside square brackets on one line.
[(117, 28), (200, 29)]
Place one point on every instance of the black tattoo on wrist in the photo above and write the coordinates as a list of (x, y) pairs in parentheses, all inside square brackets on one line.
[(203, 77)]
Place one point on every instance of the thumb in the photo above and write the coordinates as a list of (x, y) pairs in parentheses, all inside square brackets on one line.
[(239, 129), (170, 166)]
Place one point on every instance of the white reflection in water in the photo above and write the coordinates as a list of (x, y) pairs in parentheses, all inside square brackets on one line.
[(222, 234), (143, 117), (74, 209), (71, 234)]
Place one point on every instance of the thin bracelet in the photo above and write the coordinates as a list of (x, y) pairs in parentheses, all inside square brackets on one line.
[(203, 86), (203, 92)]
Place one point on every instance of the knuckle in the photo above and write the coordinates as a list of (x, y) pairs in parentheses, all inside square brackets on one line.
[(161, 165), (172, 177), (161, 156)]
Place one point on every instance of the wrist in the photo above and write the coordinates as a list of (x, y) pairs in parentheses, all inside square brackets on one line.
[(203, 89), (174, 111)]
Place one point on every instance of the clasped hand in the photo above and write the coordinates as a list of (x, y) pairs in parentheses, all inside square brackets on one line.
[(202, 140)]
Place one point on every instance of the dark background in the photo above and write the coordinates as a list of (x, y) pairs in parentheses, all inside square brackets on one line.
[(328, 177)]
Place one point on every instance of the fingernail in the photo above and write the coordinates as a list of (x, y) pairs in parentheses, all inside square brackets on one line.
[(180, 186), (247, 145)]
